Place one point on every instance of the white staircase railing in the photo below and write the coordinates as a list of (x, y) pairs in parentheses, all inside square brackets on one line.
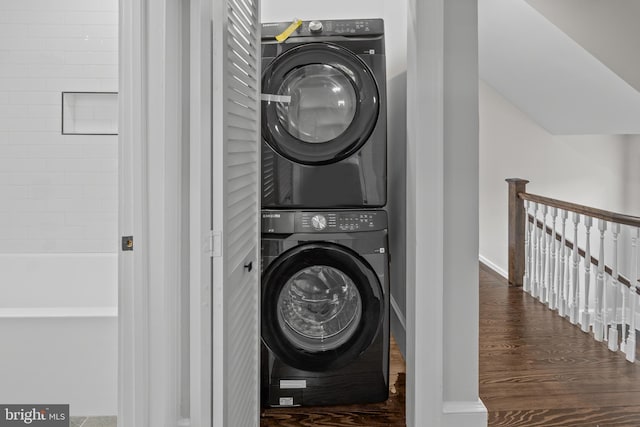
[(546, 256)]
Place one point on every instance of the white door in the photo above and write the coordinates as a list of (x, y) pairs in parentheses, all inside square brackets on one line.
[(235, 189)]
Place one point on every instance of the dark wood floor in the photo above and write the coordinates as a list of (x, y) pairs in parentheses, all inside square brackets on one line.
[(539, 370), (535, 370)]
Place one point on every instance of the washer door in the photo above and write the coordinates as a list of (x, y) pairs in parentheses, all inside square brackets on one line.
[(321, 306), (325, 104)]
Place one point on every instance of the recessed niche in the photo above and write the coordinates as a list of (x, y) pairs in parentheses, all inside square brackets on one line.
[(89, 113)]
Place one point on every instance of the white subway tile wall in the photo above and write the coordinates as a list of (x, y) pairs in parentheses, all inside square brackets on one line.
[(58, 193)]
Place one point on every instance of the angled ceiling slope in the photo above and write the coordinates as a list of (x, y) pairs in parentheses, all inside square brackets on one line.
[(609, 30), (549, 76)]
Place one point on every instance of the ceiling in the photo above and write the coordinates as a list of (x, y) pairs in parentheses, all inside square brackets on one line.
[(574, 70), (608, 30)]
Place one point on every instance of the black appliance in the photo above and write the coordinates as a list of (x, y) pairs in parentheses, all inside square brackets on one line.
[(324, 126), (325, 307)]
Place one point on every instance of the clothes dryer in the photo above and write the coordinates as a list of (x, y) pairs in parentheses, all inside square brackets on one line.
[(325, 307), (324, 126)]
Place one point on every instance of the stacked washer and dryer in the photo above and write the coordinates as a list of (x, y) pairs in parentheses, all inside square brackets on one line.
[(325, 266)]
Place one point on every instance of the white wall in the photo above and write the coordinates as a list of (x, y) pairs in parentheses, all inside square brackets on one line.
[(287, 10), (442, 215), (594, 170), (631, 177), (58, 192), (58, 206), (460, 249)]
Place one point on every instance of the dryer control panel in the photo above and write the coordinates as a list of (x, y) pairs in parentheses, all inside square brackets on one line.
[(286, 222), (329, 27)]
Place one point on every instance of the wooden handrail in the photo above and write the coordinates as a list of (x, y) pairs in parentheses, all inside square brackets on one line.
[(633, 221), (518, 219), (541, 225)]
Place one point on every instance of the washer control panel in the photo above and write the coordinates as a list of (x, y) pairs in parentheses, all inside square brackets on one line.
[(333, 27), (338, 221), (284, 222)]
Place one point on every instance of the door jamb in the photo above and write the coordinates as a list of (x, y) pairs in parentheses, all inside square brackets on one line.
[(133, 278), (200, 214)]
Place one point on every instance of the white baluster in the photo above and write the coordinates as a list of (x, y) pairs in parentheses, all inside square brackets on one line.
[(601, 315), (574, 305), (633, 296), (545, 283), (527, 249), (536, 253), (615, 317), (623, 315), (553, 295), (586, 316), (567, 282), (562, 294)]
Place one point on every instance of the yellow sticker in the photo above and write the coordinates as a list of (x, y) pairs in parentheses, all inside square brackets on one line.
[(290, 29)]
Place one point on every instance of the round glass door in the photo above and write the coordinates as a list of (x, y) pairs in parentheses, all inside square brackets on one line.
[(323, 103), (321, 306), (324, 107)]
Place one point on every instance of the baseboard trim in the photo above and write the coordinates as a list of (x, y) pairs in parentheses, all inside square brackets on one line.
[(399, 314), (398, 328), (464, 414), (493, 266)]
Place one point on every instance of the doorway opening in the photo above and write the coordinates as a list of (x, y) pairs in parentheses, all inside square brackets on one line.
[(59, 209)]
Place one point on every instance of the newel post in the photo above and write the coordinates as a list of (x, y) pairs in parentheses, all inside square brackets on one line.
[(517, 223)]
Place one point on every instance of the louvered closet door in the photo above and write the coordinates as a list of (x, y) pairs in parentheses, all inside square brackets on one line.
[(236, 159)]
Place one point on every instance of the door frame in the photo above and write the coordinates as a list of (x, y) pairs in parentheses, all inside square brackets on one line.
[(151, 275), (201, 214), (133, 282), (442, 215), (429, 400)]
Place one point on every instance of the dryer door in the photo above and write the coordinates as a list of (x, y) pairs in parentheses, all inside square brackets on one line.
[(321, 306), (320, 103)]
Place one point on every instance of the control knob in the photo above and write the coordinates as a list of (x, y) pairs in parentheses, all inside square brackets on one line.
[(315, 26), (319, 222)]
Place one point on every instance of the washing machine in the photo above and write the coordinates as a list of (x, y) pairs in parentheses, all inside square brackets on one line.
[(324, 125), (325, 307)]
